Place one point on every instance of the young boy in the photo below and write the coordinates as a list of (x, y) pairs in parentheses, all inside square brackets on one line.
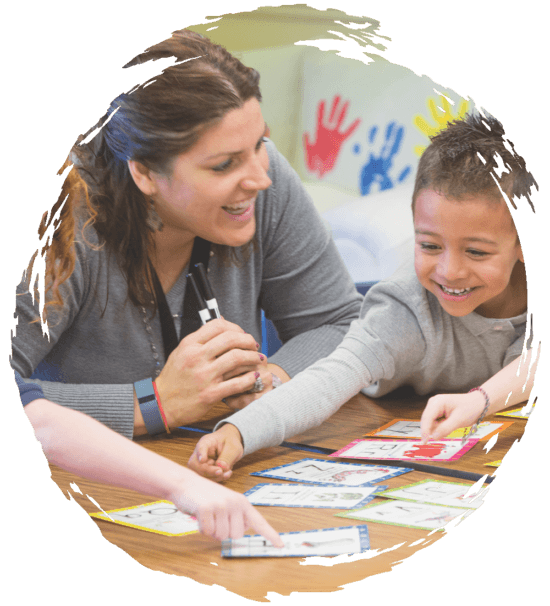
[(453, 322)]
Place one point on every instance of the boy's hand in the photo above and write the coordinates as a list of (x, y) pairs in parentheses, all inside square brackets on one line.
[(446, 412), (216, 453), (222, 513)]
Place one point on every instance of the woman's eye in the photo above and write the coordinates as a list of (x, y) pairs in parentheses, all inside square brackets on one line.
[(223, 166), (228, 163), (477, 253)]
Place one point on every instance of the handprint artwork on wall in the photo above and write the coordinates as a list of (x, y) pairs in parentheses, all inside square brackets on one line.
[(441, 115), (377, 168), (321, 155)]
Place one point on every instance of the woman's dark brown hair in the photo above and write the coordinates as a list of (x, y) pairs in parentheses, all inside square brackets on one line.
[(151, 124)]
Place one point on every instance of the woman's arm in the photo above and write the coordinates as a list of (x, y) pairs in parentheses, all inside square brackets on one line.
[(446, 412), (81, 445)]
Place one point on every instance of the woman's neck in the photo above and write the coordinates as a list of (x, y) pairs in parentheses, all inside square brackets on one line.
[(170, 255)]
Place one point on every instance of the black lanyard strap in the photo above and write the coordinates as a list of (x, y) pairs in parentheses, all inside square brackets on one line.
[(190, 321)]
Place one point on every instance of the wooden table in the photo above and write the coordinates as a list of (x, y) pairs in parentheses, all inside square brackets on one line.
[(198, 557)]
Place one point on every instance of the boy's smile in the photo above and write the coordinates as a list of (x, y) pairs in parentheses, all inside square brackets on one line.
[(468, 255)]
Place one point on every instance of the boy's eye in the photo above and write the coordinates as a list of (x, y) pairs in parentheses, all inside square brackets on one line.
[(477, 253), (428, 246)]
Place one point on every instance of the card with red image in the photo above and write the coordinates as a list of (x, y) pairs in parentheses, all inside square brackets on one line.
[(403, 450)]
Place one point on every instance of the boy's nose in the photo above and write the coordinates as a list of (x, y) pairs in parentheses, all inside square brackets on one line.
[(451, 268)]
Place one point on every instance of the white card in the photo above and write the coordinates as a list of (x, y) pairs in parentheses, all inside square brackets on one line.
[(413, 515), (436, 492), (161, 517), (402, 428), (332, 472), (318, 496), (325, 542)]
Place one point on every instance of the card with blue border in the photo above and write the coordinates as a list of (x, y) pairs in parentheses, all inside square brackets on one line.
[(324, 542), (334, 473), (319, 496)]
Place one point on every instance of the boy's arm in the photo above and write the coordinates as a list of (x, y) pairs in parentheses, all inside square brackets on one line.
[(304, 402), (446, 412)]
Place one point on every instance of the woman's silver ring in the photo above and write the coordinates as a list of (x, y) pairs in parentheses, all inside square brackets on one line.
[(258, 386)]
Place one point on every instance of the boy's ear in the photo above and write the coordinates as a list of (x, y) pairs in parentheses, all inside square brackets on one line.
[(143, 177), (520, 254)]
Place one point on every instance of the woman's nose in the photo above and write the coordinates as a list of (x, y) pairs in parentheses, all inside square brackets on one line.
[(256, 177)]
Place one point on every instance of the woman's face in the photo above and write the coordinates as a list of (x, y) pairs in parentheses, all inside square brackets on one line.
[(212, 188)]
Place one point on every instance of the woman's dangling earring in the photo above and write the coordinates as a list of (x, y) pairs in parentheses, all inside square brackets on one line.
[(154, 222)]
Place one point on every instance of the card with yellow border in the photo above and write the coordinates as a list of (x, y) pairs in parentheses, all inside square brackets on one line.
[(494, 463), (160, 517), (406, 428), (516, 413)]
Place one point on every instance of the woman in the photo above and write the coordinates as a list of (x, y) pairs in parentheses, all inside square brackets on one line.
[(181, 172)]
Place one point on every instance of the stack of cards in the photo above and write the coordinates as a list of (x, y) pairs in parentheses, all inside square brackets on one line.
[(429, 504)]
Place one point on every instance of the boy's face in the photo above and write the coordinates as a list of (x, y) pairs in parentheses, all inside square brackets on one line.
[(465, 253)]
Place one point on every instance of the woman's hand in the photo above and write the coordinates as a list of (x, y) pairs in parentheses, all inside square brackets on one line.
[(216, 453), (194, 377), (446, 412), (265, 380), (266, 371)]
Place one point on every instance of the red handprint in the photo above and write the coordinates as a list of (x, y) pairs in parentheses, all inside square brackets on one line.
[(321, 155)]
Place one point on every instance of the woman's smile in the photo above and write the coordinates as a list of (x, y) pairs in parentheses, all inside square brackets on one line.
[(241, 212)]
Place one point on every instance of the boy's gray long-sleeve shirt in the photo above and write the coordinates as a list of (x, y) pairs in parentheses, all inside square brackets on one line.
[(403, 337), (99, 346)]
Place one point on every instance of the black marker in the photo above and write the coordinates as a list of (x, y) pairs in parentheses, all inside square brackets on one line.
[(204, 312), (211, 302)]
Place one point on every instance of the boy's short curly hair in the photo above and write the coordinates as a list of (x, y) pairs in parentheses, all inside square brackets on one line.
[(467, 158)]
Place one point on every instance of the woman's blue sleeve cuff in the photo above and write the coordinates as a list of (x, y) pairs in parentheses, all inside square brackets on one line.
[(28, 391)]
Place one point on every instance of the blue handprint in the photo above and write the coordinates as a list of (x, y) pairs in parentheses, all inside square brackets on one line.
[(377, 169)]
